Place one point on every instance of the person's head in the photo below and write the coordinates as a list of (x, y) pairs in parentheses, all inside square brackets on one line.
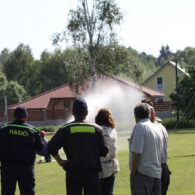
[(79, 108), (152, 114), (151, 108), (42, 133), (141, 111), (149, 102), (104, 118), (21, 113)]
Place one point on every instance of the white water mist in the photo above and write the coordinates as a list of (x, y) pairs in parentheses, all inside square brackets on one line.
[(121, 101)]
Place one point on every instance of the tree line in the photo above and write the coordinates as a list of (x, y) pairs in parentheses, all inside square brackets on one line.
[(22, 76), (95, 49)]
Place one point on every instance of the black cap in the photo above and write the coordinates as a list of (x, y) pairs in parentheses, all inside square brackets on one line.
[(79, 106), (148, 102), (20, 112)]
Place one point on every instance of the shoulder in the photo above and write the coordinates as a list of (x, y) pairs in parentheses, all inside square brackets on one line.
[(30, 127)]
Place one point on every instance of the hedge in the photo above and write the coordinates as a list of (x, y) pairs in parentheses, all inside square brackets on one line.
[(170, 123)]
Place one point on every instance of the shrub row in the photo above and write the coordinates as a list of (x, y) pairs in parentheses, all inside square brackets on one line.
[(170, 123), (48, 128)]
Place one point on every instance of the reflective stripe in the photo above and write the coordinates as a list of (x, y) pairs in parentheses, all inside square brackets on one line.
[(82, 129), (12, 125), (82, 124)]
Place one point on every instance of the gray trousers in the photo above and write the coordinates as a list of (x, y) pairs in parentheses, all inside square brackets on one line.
[(144, 185)]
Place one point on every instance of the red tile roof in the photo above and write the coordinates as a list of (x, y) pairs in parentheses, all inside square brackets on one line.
[(41, 101), (64, 91)]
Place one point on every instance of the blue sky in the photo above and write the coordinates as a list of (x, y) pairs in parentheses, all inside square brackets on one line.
[(147, 24)]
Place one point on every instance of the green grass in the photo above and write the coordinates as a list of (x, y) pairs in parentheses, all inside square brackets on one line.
[(50, 178)]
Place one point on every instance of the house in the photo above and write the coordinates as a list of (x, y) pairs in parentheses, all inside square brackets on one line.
[(164, 80), (55, 105)]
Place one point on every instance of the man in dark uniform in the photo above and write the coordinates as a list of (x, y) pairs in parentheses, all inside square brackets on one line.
[(83, 144), (19, 142)]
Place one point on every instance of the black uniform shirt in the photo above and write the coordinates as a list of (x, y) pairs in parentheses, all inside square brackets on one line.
[(19, 142), (83, 144)]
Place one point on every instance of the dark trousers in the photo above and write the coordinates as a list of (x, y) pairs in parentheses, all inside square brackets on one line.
[(165, 178), (144, 185), (23, 174), (107, 185), (78, 181)]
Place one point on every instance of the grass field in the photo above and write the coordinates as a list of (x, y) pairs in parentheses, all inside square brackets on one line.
[(50, 178)]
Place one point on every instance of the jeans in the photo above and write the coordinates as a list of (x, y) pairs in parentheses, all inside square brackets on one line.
[(107, 185)]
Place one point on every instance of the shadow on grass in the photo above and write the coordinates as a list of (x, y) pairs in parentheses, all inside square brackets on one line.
[(181, 131), (184, 156)]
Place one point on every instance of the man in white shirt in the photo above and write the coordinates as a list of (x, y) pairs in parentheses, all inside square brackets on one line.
[(165, 177), (146, 154)]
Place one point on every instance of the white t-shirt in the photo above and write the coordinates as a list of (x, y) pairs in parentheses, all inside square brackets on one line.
[(147, 140), (110, 161)]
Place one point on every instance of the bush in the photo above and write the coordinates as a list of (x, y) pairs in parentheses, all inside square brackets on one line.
[(48, 128), (170, 123)]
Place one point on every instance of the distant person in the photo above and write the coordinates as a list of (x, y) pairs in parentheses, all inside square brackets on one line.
[(110, 165), (146, 154), (44, 152), (83, 144), (149, 102), (19, 142), (165, 178)]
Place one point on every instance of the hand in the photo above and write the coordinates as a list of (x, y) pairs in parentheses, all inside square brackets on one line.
[(61, 162)]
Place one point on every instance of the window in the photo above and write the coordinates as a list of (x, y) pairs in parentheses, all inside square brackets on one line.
[(160, 84)]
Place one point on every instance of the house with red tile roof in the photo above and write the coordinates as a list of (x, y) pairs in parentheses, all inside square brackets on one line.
[(56, 103)]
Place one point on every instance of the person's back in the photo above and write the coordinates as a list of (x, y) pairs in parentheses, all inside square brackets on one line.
[(146, 154), (18, 144), (150, 160), (83, 144)]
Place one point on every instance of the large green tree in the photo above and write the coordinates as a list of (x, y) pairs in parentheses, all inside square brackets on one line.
[(185, 99), (91, 25), (165, 56), (21, 67), (186, 57), (12, 90)]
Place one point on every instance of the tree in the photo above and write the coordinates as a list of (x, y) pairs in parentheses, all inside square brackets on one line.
[(186, 94), (3, 85), (3, 57), (165, 55), (18, 64), (15, 93), (186, 57), (92, 25)]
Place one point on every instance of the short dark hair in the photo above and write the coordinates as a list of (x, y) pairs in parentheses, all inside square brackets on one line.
[(79, 107), (105, 118), (142, 111), (20, 112), (149, 102)]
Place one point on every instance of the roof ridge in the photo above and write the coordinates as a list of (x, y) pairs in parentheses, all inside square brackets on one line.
[(36, 96)]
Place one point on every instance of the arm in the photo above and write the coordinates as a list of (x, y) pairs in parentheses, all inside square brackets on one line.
[(135, 162), (103, 149), (59, 160), (54, 146)]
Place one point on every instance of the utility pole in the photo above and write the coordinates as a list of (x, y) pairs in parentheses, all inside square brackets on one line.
[(176, 74)]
